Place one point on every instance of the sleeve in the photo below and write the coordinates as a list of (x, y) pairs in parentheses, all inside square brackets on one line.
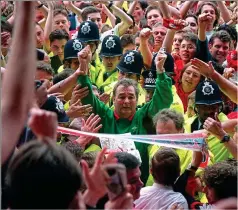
[(98, 107), (162, 97), (202, 51)]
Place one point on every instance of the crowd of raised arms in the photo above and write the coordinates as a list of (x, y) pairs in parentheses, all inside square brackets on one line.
[(76, 74)]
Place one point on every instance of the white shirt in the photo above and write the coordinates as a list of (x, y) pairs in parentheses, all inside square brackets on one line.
[(159, 196)]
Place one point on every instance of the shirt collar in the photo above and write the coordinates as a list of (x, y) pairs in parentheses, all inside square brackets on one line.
[(117, 116)]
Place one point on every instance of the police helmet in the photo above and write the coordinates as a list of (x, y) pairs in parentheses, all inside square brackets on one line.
[(111, 46), (208, 93), (131, 62), (88, 32)]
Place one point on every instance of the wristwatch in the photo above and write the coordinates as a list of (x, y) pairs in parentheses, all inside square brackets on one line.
[(192, 168), (225, 138)]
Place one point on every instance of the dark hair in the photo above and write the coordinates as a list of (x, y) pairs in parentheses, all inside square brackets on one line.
[(58, 34), (190, 37), (222, 35), (184, 69), (62, 75), (60, 12), (128, 160), (90, 157), (222, 177), (231, 30), (165, 166), (127, 39), (169, 114), (193, 16), (89, 10), (151, 7), (126, 83), (143, 4), (74, 148), (42, 175), (199, 11), (42, 66)]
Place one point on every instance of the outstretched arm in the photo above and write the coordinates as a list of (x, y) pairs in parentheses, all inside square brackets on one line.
[(207, 70), (18, 82)]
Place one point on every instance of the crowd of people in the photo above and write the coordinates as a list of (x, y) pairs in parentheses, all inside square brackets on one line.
[(140, 67)]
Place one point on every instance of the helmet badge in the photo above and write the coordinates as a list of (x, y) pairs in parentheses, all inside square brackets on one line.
[(86, 28), (207, 89), (110, 43), (77, 45), (129, 59)]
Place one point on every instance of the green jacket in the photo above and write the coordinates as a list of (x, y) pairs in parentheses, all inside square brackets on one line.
[(162, 98)]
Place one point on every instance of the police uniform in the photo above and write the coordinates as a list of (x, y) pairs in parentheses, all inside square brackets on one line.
[(131, 62), (89, 32), (208, 93), (111, 47)]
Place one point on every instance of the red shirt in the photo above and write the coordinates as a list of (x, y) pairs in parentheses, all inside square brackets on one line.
[(182, 95)]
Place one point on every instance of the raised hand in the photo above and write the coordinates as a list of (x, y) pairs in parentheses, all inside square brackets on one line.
[(43, 123), (145, 34), (60, 96), (51, 4), (84, 57), (91, 125), (78, 110), (124, 201), (214, 127), (105, 98), (204, 20), (159, 62), (68, 3), (228, 73), (78, 93), (96, 179), (174, 24), (205, 69)]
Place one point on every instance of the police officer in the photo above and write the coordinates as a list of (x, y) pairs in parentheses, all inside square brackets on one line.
[(88, 34), (130, 66), (149, 83), (111, 52), (208, 103), (71, 50)]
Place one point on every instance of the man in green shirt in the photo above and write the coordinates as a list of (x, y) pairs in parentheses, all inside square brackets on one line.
[(125, 118)]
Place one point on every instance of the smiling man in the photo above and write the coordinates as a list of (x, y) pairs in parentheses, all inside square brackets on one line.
[(219, 45), (125, 118)]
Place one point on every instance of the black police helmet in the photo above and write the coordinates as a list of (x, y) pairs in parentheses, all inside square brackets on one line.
[(111, 46), (208, 93), (88, 32), (72, 48), (131, 62)]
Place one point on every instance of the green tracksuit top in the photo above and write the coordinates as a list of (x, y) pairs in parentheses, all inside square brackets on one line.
[(161, 99)]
